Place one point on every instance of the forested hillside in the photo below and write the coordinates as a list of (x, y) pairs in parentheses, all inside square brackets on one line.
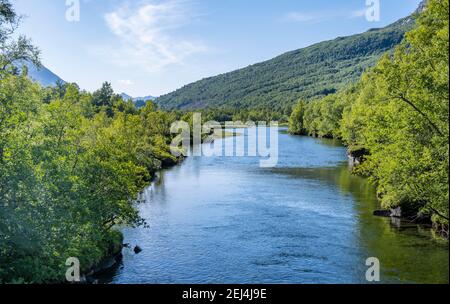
[(315, 71)]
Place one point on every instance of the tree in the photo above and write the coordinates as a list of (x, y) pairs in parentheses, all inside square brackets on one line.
[(103, 100), (14, 51), (71, 167), (400, 116), (296, 121)]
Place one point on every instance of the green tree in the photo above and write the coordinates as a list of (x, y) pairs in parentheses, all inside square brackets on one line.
[(401, 117), (103, 99), (296, 121), (13, 51)]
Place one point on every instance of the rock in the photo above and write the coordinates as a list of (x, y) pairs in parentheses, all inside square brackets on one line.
[(421, 218), (382, 213), (356, 156), (397, 212), (396, 222), (90, 280), (137, 249), (83, 280), (106, 264), (90, 273)]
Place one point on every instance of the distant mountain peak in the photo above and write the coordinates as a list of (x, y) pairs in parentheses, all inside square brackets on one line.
[(125, 96), (41, 74), (138, 101)]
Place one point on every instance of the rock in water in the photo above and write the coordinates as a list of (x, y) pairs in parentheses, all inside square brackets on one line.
[(397, 212), (382, 213), (137, 249)]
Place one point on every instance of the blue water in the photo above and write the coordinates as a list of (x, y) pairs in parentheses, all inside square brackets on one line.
[(226, 220)]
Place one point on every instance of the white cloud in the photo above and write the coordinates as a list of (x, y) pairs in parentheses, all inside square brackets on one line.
[(319, 16), (125, 82), (303, 17), (358, 13), (147, 35)]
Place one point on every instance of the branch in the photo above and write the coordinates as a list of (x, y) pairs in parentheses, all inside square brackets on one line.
[(108, 224), (438, 213), (432, 124)]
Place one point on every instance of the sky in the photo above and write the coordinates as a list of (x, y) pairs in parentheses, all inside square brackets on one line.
[(153, 47)]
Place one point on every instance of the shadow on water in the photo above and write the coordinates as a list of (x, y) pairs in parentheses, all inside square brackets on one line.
[(407, 252)]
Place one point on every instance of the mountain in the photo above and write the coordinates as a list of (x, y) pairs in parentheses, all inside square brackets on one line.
[(145, 98), (42, 75), (125, 96), (308, 73), (138, 101)]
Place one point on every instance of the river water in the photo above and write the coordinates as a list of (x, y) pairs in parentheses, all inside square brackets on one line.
[(308, 220)]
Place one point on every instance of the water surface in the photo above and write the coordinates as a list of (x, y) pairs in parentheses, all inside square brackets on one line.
[(226, 220)]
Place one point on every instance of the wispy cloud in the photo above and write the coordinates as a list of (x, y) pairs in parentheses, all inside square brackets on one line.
[(320, 16), (358, 13), (147, 35), (126, 82)]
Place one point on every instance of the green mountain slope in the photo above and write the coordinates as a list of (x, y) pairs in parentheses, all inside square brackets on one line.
[(308, 73)]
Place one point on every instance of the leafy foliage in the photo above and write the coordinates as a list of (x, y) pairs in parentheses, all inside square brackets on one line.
[(399, 114), (69, 173), (14, 49), (71, 167), (297, 119)]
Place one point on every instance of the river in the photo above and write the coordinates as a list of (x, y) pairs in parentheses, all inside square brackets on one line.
[(308, 220)]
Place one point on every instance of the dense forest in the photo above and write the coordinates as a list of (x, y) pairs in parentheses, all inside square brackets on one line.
[(396, 119), (308, 73), (71, 166)]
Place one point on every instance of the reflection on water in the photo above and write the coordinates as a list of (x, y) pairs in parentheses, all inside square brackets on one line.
[(225, 220)]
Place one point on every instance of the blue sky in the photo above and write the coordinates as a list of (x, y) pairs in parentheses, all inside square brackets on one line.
[(151, 47)]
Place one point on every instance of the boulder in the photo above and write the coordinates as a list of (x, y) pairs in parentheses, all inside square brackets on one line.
[(356, 156), (137, 249), (382, 213), (396, 222), (397, 212)]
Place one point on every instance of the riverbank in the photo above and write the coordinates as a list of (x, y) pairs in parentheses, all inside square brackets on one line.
[(401, 213), (398, 118), (115, 243), (110, 260), (404, 212)]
